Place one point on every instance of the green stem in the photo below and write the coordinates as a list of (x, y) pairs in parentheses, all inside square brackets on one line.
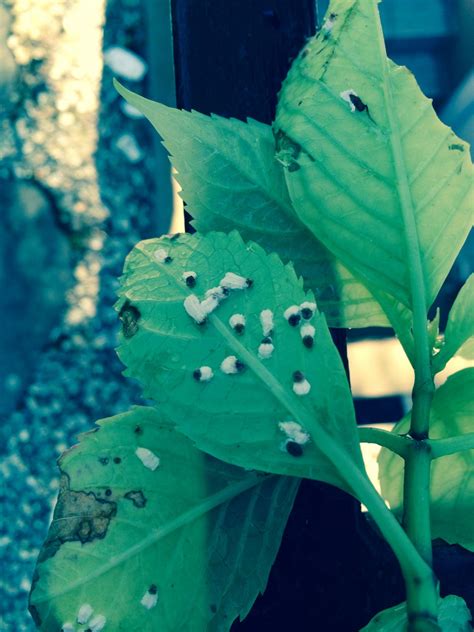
[(451, 445), (393, 442), (421, 604)]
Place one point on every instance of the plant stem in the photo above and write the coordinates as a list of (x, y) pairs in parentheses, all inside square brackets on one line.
[(451, 445), (393, 442), (422, 603)]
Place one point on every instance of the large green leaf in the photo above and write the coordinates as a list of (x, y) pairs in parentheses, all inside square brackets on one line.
[(460, 325), (453, 616), (231, 180), (452, 480), (199, 534), (234, 417), (377, 178)]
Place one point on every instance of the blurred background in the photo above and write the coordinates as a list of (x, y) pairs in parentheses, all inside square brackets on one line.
[(83, 178)]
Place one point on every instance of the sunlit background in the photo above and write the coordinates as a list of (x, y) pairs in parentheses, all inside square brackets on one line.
[(82, 179)]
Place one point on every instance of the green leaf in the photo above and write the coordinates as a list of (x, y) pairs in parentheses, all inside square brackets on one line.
[(467, 350), (460, 325), (380, 180), (452, 480), (234, 417), (231, 180), (453, 616), (202, 533)]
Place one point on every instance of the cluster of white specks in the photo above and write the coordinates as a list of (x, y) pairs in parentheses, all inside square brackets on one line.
[(266, 320), (266, 348), (67, 627), (148, 458), (162, 255), (150, 598), (292, 315), (346, 95), (307, 332), (294, 432), (231, 365), (97, 623), (301, 386), (237, 322), (84, 613), (233, 281), (193, 307), (189, 277), (203, 374)]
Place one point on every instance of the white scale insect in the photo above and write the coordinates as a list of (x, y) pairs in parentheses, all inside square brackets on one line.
[(231, 365), (292, 315), (301, 386), (266, 348), (294, 432), (266, 320), (150, 598), (85, 613), (307, 332), (237, 322), (148, 458), (233, 281), (346, 95), (162, 255), (203, 374), (97, 623), (67, 627)]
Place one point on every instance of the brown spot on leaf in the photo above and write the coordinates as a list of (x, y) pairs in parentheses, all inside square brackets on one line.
[(129, 315), (137, 497), (456, 147), (79, 516)]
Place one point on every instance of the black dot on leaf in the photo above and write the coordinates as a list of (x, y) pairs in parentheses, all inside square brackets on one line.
[(294, 319), (117, 459), (298, 376), (308, 341), (293, 448)]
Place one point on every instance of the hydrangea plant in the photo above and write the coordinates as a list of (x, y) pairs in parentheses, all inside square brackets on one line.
[(349, 211)]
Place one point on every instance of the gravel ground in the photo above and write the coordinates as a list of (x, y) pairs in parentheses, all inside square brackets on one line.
[(78, 378)]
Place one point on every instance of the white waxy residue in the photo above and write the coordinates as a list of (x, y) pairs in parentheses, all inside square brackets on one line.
[(209, 304), (346, 95), (230, 365), (161, 255), (97, 623), (266, 320), (265, 349), (193, 307), (67, 627), (294, 432), (302, 388), (204, 374), (233, 281), (148, 458), (292, 315), (149, 600), (237, 322), (85, 613)]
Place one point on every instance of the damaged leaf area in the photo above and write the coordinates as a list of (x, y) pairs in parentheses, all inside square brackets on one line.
[(78, 516), (151, 534)]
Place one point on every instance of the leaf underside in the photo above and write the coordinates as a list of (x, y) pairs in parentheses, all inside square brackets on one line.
[(200, 533), (453, 616), (373, 180), (231, 180), (234, 417), (452, 480)]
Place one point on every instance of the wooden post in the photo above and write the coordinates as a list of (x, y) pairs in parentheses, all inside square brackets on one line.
[(231, 57)]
